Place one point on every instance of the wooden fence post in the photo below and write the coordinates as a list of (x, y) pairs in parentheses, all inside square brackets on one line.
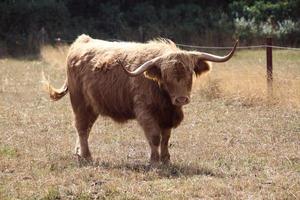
[(269, 65), (142, 34)]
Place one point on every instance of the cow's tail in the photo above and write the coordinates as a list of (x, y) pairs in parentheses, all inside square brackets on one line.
[(55, 94)]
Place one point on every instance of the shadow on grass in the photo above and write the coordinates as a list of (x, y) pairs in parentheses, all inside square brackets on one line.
[(61, 162), (170, 171), (173, 170)]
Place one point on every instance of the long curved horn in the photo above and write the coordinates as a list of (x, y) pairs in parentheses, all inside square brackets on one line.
[(141, 68), (215, 58)]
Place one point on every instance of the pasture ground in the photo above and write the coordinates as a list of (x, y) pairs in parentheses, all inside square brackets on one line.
[(235, 143)]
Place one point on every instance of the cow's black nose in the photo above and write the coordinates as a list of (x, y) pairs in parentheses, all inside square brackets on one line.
[(182, 100)]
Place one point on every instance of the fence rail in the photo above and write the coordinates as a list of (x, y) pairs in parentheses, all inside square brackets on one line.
[(239, 47)]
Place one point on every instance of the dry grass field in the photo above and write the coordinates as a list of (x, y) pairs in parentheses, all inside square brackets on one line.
[(234, 143)]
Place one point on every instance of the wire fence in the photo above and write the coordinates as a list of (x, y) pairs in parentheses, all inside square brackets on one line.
[(239, 47), (210, 47)]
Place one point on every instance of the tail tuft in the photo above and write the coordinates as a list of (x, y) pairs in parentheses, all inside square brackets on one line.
[(55, 94)]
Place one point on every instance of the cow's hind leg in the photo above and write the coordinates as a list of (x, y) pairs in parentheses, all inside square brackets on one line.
[(84, 120)]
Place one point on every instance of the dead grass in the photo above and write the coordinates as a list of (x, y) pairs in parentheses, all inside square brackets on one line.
[(55, 55), (243, 80), (235, 143)]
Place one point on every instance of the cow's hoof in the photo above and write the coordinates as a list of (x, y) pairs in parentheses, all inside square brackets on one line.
[(165, 159), (77, 150), (84, 161), (166, 163), (154, 164)]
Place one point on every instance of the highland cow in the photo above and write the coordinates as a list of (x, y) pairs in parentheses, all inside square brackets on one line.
[(149, 82)]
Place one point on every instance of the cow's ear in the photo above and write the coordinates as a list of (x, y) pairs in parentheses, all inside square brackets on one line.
[(201, 66), (153, 73)]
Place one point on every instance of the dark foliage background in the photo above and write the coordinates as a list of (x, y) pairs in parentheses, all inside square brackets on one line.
[(27, 24)]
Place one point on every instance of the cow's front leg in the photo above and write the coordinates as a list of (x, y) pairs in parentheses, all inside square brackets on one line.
[(154, 141), (164, 149), (153, 135)]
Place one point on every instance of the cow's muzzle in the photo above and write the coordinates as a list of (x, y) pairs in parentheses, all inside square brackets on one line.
[(182, 100)]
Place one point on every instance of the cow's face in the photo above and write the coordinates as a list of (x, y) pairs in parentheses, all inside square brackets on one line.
[(175, 75), (173, 71), (177, 81)]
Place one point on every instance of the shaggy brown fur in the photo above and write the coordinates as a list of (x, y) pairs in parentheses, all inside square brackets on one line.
[(98, 85)]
